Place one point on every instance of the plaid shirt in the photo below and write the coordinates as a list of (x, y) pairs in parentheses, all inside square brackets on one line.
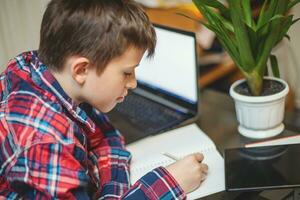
[(53, 149)]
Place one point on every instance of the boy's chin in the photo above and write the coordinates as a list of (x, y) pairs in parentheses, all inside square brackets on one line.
[(107, 108)]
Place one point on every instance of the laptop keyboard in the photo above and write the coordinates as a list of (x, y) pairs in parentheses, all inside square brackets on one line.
[(147, 115)]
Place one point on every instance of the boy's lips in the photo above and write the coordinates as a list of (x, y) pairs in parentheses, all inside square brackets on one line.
[(121, 98)]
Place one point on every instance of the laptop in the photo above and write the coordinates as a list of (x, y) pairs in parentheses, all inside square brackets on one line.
[(166, 96)]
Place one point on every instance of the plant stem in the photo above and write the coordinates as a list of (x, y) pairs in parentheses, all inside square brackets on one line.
[(255, 82)]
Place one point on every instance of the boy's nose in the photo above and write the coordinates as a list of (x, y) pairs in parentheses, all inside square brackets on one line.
[(132, 83)]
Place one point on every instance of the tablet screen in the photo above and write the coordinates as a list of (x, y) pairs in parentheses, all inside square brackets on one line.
[(260, 168)]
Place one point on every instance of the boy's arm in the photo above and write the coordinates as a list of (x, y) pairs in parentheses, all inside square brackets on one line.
[(114, 170), (156, 184)]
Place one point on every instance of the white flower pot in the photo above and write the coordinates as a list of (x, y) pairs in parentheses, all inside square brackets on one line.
[(260, 116)]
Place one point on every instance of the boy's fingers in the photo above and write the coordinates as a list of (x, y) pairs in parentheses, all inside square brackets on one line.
[(203, 177), (199, 157), (204, 168)]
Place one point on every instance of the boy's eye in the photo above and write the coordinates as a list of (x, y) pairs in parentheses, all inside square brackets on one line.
[(127, 73)]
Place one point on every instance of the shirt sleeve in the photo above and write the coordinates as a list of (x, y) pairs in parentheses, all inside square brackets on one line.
[(48, 171), (156, 184), (113, 169)]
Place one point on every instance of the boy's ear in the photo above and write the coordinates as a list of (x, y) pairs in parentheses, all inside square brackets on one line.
[(79, 69)]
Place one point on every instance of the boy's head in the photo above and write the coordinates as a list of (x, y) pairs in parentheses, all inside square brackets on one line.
[(92, 47), (99, 30)]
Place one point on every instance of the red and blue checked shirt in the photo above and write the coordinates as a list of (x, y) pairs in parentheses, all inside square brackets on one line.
[(50, 148)]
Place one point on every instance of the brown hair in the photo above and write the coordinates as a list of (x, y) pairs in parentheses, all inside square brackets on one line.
[(99, 30)]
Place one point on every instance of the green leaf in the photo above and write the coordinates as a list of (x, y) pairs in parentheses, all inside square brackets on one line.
[(294, 21), (274, 65), (266, 71), (226, 41), (227, 24), (262, 34), (288, 37), (286, 24), (282, 7), (242, 37), (222, 23), (191, 18), (270, 9), (262, 14), (267, 11), (253, 41), (204, 11), (293, 3), (269, 43), (249, 42), (247, 12), (215, 4), (223, 29), (269, 21)]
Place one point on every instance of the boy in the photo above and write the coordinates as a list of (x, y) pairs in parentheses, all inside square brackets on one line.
[(55, 142)]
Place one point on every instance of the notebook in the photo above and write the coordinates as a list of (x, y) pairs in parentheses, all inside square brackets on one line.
[(167, 91), (147, 154)]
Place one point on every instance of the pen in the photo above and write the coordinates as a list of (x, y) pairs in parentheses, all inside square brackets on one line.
[(171, 156)]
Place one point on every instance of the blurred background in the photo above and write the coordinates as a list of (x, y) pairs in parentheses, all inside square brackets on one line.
[(20, 24)]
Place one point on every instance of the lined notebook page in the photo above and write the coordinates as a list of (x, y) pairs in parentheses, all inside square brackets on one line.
[(147, 154)]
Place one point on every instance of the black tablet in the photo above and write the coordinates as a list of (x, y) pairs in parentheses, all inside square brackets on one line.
[(260, 168)]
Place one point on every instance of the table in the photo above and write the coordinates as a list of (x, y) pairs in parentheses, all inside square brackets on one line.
[(218, 120)]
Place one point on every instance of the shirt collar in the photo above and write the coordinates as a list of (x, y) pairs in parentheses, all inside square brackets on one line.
[(42, 77)]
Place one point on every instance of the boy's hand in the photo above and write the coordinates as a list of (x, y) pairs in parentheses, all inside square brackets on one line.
[(189, 171)]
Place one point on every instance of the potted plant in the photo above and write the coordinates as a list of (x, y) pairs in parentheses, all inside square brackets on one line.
[(249, 40)]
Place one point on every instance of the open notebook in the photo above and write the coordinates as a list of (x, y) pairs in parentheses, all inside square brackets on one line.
[(147, 154)]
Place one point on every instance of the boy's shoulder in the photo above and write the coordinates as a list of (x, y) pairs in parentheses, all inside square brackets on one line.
[(21, 94), (22, 84), (29, 116), (28, 113)]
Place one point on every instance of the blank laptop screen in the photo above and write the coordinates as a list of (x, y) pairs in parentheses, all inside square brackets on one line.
[(172, 69)]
